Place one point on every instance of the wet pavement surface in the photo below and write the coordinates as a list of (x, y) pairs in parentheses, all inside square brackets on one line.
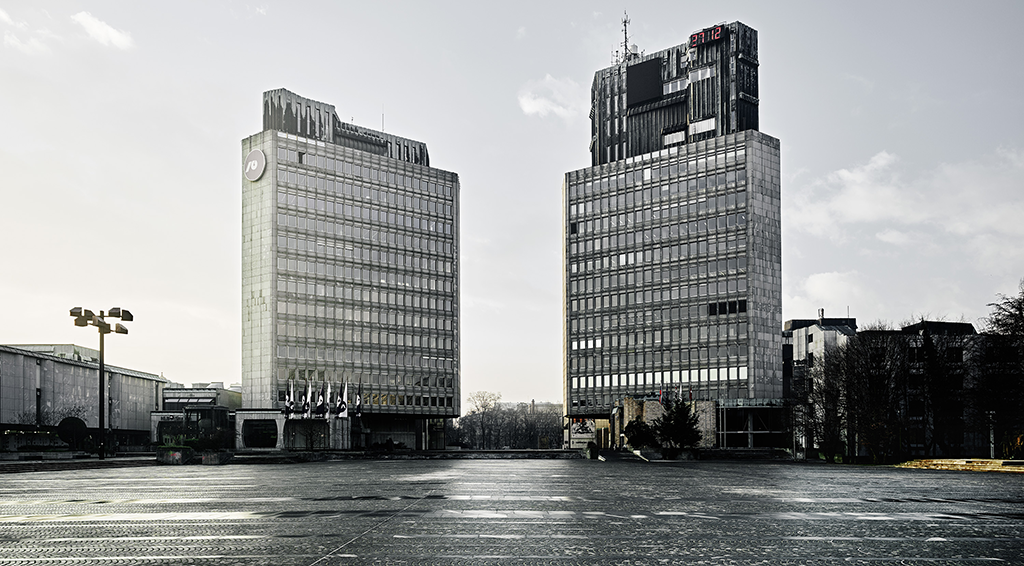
[(511, 512)]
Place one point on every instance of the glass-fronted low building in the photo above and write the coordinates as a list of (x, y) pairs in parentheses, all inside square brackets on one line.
[(44, 385), (672, 243), (350, 283)]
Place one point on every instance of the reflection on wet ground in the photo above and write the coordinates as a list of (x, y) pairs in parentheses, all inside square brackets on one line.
[(511, 511)]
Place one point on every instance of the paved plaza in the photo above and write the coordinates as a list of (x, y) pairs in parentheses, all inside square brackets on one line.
[(511, 512)]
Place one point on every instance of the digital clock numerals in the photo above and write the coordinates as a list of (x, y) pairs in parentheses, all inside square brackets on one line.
[(704, 36)]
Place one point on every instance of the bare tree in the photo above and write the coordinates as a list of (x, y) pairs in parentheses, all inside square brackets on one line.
[(826, 411), (876, 388), (484, 404), (941, 386), (1007, 316), (53, 417), (998, 392), (491, 424)]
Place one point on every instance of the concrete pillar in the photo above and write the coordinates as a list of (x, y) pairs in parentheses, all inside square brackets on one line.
[(750, 428)]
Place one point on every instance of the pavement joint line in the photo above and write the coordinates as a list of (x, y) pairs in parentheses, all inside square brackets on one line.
[(332, 554)]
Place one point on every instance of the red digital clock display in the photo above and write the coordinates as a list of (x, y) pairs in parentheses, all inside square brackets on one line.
[(706, 36)]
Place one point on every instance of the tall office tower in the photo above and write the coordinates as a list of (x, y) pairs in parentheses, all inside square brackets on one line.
[(350, 281), (672, 242), (696, 91)]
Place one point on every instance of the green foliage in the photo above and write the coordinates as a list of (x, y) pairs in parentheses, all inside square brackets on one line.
[(1013, 446), (670, 433), (640, 434), (218, 440), (1008, 314), (200, 444), (677, 428)]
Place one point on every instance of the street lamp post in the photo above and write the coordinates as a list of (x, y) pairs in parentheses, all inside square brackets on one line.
[(85, 317), (991, 434)]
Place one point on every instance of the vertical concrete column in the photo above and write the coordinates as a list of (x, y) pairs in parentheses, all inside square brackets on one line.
[(280, 432), (750, 428), (341, 434)]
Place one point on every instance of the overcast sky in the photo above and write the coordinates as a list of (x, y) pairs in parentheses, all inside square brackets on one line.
[(902, 130)]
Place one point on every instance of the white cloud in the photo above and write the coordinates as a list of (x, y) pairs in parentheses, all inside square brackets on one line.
[(966, 200), (866, 193), (5, 18), (892, 243), (833, 291), (866, 84), (901, 238), (521, 32), (102, 31), (564, 98), (30, 46), (34, 42)]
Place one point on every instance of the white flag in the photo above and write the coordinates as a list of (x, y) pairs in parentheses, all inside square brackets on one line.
[(343, 403)]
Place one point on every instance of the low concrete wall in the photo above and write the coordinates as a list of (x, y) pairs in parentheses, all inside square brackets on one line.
[(22, 456), (286, 455), (216, 458), (175, 456)]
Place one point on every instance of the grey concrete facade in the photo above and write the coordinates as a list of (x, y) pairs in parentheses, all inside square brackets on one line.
[(672, 244), (673, 275), (350, 273), (702, 89), (39, 389)]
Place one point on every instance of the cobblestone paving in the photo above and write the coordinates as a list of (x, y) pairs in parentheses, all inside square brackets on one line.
[(511, 512)]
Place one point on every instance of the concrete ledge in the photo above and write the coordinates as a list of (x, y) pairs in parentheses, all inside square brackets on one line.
[(968, 465), (216, 458), (27, 456), (744, 454), (281, 457), (74, 464)]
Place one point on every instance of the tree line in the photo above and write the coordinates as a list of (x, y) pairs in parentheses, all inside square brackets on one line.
[(492, 425), (670, 433), (924, 391)]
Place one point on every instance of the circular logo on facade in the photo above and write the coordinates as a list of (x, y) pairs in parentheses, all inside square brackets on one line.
[(255, 163)]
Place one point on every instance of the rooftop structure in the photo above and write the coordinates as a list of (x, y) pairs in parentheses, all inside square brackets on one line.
[(672, 241), (350, 278)]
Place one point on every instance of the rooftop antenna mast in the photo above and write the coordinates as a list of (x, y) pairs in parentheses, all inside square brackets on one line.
[(625, 37)]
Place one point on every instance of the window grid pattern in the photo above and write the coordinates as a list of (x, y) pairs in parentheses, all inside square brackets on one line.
[(661, 283), (365, 266)]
